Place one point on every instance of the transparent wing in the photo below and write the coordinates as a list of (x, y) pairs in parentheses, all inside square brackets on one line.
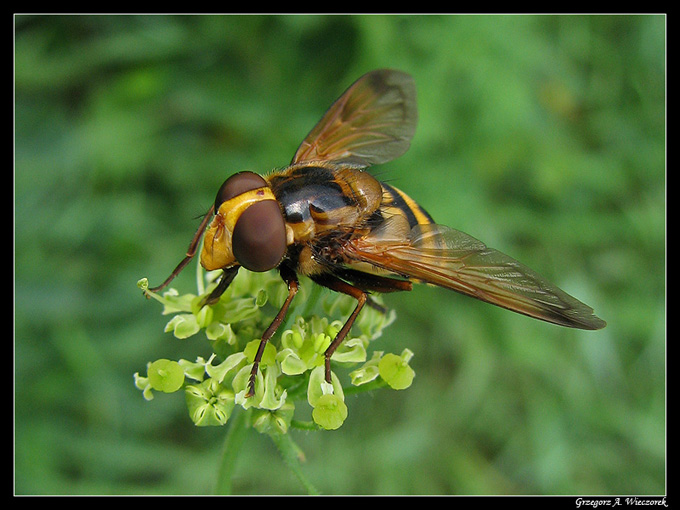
[(452, 259), (371, 123)]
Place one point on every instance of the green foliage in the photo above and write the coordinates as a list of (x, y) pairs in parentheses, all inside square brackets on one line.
[(543, 136), (234, 326), (395, 370)]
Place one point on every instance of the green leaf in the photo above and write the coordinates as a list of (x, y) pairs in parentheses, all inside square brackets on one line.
[(183, 325), (368, 371), (318, 386), (330, 411), (395, 371), (165, 375)]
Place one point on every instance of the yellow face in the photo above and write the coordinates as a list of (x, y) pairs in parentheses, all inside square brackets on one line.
[(217, 243)]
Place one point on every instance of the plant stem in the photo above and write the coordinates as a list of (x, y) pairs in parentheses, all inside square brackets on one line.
[(292, 456), (238, 430)]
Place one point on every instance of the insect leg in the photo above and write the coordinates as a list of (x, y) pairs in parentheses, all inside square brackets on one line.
[(375, 283), (228, 276), (361, 296), (290, 278), (191, 251)]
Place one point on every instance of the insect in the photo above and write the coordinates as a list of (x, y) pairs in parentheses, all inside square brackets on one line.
[(324, 216)]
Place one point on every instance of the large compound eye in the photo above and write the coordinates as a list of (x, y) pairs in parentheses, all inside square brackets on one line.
[(259, 237), (237, 184)]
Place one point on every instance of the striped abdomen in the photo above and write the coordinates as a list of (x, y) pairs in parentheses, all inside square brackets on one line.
[(396, 201)]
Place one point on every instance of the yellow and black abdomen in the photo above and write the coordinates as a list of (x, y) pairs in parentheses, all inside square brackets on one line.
[(396, 201)]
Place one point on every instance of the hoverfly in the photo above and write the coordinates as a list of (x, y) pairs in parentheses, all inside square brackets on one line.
[(324, 216)]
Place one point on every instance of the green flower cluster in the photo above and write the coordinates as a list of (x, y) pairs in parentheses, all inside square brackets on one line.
[(292, 366)]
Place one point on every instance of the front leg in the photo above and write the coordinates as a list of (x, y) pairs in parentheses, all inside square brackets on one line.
[(227, 277), (191, 251)]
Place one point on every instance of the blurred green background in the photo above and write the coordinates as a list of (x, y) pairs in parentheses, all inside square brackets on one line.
[(544, 136)]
